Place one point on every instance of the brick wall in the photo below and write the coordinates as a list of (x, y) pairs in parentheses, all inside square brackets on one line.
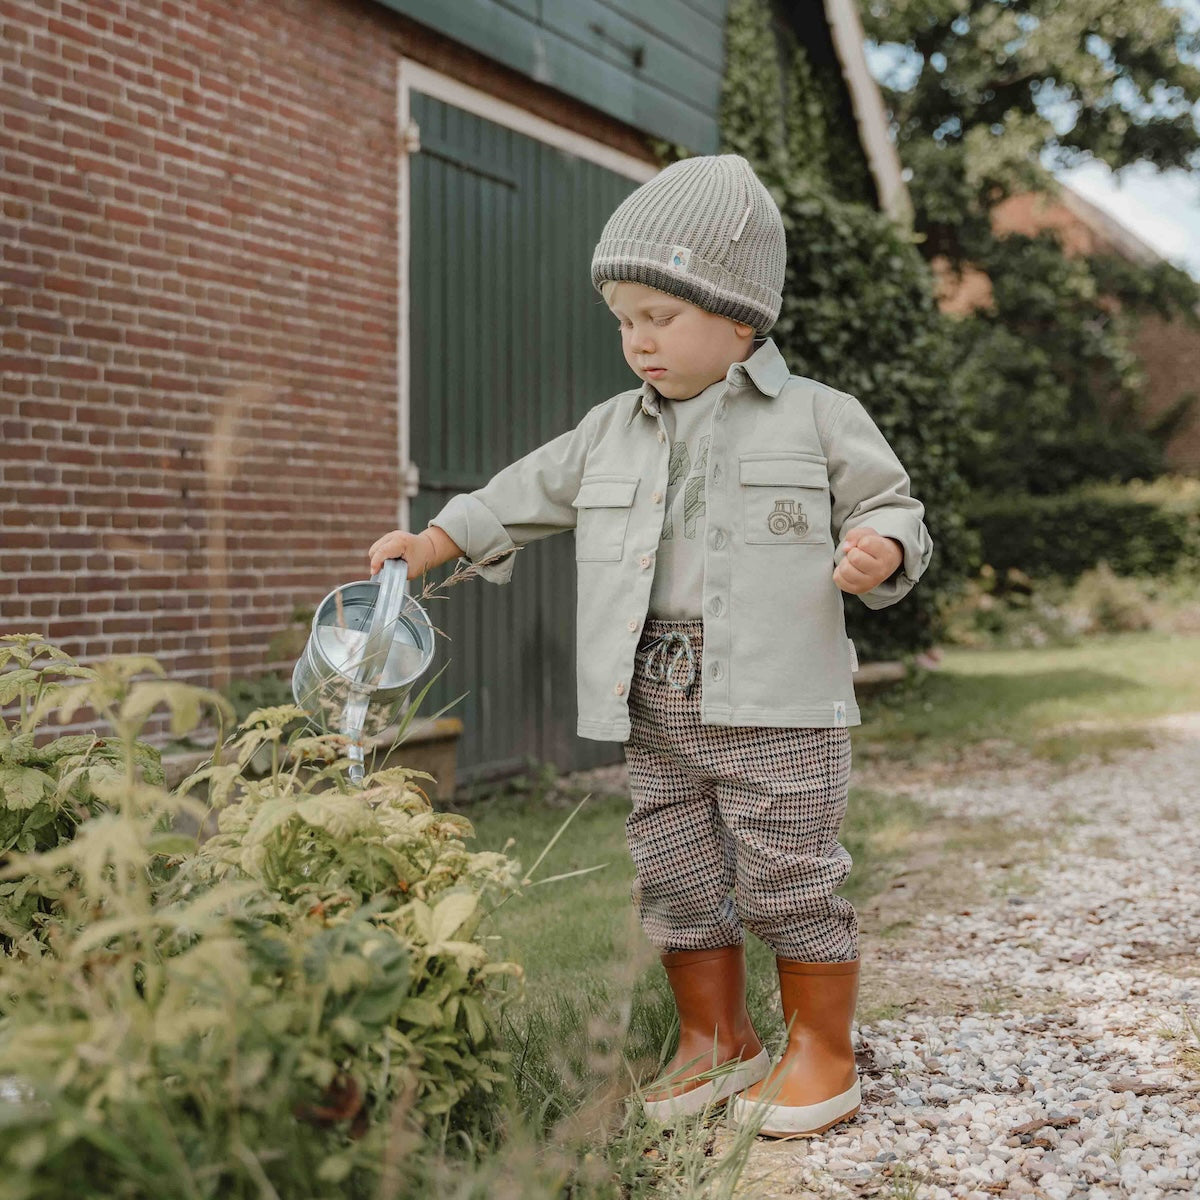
[(1170, 354), (198, 412)]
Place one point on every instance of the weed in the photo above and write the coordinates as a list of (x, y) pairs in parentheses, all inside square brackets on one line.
[(1187, 1034), (904, 1182)]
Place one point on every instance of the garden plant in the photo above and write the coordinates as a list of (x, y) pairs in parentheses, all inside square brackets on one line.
[(267, 983), (288, 1007)]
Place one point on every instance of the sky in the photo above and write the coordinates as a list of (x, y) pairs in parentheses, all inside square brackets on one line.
[(1162, 208)]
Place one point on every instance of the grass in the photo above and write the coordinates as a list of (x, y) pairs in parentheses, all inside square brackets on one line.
[(597, 1009), (1187, 1035), (1034, 698)]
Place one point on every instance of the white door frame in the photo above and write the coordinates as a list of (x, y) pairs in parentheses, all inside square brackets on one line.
[(413, 76)]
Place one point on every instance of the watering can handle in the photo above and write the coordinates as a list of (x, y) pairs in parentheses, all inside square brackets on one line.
[(393, 587)]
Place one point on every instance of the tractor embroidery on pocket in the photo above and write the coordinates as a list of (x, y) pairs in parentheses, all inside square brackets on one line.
[(788, 517)]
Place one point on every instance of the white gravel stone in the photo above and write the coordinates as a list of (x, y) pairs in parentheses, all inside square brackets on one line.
[(1109, 922)]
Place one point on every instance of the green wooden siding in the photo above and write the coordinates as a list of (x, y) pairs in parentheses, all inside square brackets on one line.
[(510, 346), (655, 64)]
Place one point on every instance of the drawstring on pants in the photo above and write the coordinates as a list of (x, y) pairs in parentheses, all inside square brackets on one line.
[(658, 669)]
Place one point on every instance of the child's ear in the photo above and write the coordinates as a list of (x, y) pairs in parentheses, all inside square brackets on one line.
[(743, 331)]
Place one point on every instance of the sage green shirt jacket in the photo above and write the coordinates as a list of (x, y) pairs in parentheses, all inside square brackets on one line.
[(793, 466)]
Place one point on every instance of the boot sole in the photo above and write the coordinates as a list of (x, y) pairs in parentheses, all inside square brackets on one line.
[(712, 1092), (806, 1120)]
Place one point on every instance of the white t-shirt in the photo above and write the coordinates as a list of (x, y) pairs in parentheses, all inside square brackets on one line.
[(677, 592)]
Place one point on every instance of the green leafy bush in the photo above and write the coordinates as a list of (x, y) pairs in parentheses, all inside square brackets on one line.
[(859, 304), (49, 784), (1017, 611), (1104, 602), (250, 693), (1066, 535), (859, 314), (286, 1008)]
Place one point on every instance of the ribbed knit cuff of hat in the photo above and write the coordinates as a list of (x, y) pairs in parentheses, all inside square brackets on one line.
[(706, 284)]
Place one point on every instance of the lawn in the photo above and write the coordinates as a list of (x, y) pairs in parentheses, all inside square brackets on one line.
[(1110, 682)]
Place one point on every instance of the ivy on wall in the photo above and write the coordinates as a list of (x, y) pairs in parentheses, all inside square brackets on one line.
[(859, 310)]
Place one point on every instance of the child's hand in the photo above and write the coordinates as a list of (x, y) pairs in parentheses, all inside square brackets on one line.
[(422, 551), (870, 559)]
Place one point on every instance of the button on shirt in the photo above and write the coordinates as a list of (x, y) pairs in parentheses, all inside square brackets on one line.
[(678, 590), (793, 466)]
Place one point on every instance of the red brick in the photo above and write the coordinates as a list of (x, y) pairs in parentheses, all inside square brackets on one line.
[(174, 168)]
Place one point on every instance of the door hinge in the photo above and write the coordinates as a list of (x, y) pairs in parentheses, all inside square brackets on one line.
[(410, 480), (410, 138)]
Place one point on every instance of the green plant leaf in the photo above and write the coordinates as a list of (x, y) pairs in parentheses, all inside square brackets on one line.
[(13, 683), (23, 787), (17, 748), (184, 701), (450, 914), (416, 1011), (72, 744)]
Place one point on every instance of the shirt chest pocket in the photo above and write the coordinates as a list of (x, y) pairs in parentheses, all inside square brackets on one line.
[(602, 516), (786, 499)]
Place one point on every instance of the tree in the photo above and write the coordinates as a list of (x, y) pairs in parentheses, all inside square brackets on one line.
[(987, 99), (994, 87)]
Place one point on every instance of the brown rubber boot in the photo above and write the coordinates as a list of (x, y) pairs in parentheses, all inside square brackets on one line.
[(719, 1052), (815, 1083)]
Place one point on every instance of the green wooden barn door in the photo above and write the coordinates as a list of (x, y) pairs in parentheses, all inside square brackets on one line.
[(510, 346)]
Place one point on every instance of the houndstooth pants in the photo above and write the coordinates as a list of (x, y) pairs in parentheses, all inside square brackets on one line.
[(734, 827)]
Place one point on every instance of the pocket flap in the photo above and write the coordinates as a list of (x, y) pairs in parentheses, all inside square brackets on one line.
[(612, 491), (784, 472)]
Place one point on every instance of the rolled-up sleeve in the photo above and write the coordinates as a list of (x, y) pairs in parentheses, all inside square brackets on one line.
[(869, 486), (529, 499)]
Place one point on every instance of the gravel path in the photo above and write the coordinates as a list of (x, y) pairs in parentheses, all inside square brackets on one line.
[(1067, 1068)]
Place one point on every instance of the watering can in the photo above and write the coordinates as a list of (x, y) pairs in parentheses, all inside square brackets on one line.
[(369, 642)]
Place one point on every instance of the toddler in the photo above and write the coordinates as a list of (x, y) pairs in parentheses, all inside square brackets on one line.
[(711, 632)]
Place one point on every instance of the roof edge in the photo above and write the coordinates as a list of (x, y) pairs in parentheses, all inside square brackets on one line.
[(866, 101), (1123, 239)]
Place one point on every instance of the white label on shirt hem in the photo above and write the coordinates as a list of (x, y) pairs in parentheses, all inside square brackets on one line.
[(839, 712)]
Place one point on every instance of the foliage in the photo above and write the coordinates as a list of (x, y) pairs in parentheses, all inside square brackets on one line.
[(1054, 345), (784, 111), (1101, 559), (859, 314), (981, 76), (48, 785), (987, 101), (1064, 535), (283, 1009), (248, 693), (751, 87), (303, 1004), (1013, 610)]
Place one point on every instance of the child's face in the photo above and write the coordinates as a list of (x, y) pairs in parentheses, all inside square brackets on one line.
[(674, 345)]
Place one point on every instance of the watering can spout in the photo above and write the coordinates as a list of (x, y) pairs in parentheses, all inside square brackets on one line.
[(354, 718)]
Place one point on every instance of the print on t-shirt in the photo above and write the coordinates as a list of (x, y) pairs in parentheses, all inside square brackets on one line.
[(681, 468)]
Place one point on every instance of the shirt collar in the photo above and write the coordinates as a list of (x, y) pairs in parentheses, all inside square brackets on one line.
[(765, 369)]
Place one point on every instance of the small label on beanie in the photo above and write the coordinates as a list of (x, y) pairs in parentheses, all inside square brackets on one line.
[(680, 257)]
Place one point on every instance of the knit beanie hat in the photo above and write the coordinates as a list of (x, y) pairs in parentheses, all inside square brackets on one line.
[(705, 230)]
